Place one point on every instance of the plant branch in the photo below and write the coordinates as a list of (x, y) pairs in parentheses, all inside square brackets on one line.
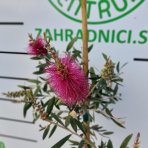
[(85, 60), (55, 123), (92, 89), (85, 37)]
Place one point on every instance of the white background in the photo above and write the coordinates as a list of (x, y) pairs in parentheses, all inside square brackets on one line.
[(39, 13)]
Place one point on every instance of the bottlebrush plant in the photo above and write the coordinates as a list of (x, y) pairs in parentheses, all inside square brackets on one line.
[(65, 97)]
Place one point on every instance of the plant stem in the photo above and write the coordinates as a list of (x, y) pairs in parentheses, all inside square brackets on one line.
[(85, 37), (93, 88), (55, 123), (85, 60), (63, 127)]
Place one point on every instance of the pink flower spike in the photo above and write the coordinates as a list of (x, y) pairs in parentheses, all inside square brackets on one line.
[(68, 81), (37, 47)]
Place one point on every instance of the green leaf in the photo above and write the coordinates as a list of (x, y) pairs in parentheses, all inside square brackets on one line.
[(34, 81), (57, 103), (73, 124), (42, 65), (36, 58), (52, 131), (43, 79), (24, 87), (117, 122), (105, 56), (124, 65), (26, 108), (57, 118), (92, 72), (116, 80), (81, 144), (118, 67), (126, 141), (102, 145), (61, 142), (108, 112), (36, 116), (39, 72), (76, 53), (49, 55), (90, 48), (71, 43), (93, 76), (116, 89), (74, 142), (67, 121), (109, 144), (37, 90), (45, 87), (46, 132), (80, 125), (108, 133), (50, 105)]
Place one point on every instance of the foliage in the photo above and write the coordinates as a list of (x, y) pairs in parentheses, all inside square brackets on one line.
[(103, 94)]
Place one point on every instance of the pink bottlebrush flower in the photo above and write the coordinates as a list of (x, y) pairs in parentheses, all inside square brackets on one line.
[(37, 47), (67, 80)]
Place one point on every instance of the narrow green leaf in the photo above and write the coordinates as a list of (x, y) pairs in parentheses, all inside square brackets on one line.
[(108, 112), (42, 103), (57, 118), (103, 145), (49, 55), (81, 144), (50, 105), (42, 65), (73, 124), (71, 43), (108, 133), (36, 58), (126, 141), (118, 67), (117, 122), (67, 121), (90, 48), (57, 103), (34, 81), (103, 130), (61, 142), (45, 87), (46, 132), (39, 72), (117, 80), (26, 108), (36, 116), (116, 89), (124, 65), (24, 87), (93, 76), (109, 144), (92, 72), (105, 56), (76, 53), (37, 90), (43, 79), (52, 131), (80, 125), (74, 142)]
